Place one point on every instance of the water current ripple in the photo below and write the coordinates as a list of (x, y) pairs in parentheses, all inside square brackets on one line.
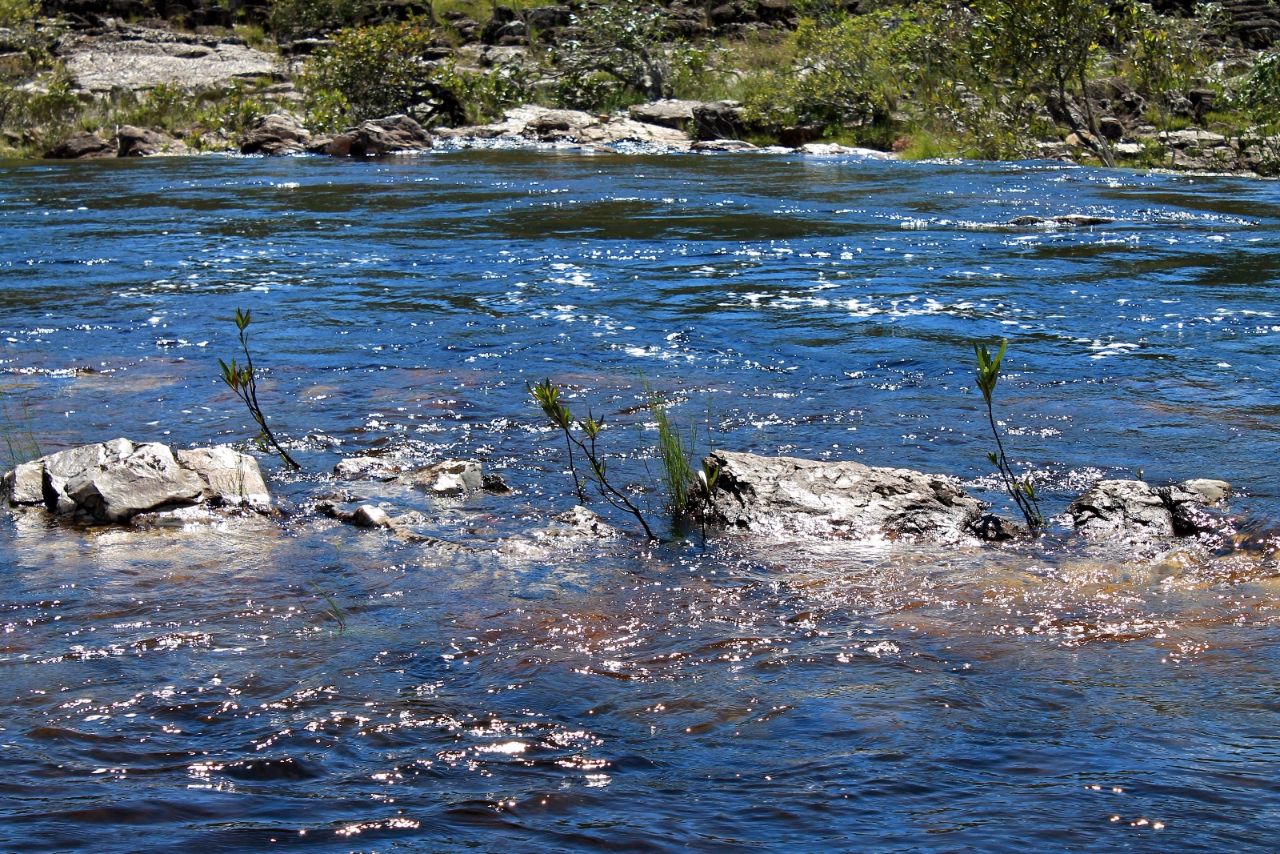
[(198, 690)]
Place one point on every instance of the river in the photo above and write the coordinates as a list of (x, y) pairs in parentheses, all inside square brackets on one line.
[(302, 684)]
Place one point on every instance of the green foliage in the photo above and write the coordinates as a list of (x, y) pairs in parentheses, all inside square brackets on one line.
[(370, 72), (676, 457), (20, 441), (1047, 45), (1165, 55), (1260, 91), (41, 112), (242, 379), (689, 489), (292, 19), (332, 610), (1021, 490), (482, 97), (1258, 100), (547, 396), (844, 75), (615, 53), (18, 13)]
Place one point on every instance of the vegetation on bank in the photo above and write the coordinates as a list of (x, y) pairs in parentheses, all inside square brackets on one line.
[(998, 79)]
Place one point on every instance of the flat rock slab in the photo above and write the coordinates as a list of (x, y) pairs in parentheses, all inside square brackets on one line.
[(788, 495), (140, 58), (118, 480)]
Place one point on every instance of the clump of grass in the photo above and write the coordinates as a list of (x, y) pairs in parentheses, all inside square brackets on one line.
[(1021, 490), (20, 442), (689, 489), (332, 610), (243, 380)]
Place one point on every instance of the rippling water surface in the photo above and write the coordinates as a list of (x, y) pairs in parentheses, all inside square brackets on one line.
[(310, 685)]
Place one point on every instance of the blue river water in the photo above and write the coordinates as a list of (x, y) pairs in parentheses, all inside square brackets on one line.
[(307, 685)]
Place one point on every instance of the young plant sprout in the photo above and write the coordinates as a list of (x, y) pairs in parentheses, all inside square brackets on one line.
[(547, 396), (1021, 490), (243, 380)]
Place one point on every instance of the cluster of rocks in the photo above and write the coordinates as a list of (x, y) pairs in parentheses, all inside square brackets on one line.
[(149, 485), (790, 496), (128, 141), (122, 481), (279, 133), (663, 125)]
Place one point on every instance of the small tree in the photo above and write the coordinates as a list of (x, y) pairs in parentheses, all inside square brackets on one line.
[(617, 44), (372, 72), (1048, 44), (1021, 490)]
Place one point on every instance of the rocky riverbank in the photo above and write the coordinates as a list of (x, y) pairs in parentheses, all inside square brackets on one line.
[(85, 84)]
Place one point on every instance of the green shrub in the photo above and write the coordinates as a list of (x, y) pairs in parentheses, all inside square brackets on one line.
[(369, 72), (844, 75), (291, 19), (615, 53), (18, 13)]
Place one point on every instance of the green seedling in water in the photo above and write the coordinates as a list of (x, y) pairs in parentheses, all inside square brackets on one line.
[(547, 396), (689, 490), (1021, 490), (332, 610), (243, 380), (19, 441)]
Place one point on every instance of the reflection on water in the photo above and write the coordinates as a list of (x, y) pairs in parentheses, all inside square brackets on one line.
[(312, 685)]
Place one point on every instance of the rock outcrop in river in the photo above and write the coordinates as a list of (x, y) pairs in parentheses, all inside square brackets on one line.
[(845, 498), (117, 481), (1133, 508)]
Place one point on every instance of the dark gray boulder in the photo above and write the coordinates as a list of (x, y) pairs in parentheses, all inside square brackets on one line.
[(788, 495), (144, 142), (718, 120), (1137, 510)]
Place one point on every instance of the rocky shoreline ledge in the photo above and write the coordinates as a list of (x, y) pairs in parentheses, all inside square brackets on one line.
[(100, 81), (527, 126), (148, 486)]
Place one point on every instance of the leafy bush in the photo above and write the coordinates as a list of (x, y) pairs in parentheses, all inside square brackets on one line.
[(291, 19), (17, 13), (613, 51), (844, 75), (370, 72)]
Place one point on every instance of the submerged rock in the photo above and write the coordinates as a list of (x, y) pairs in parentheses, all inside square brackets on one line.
[(118, 480), (1136, 509), (792, 495), (577, 526), (451, 478), (1066, 221), (366, 468)]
